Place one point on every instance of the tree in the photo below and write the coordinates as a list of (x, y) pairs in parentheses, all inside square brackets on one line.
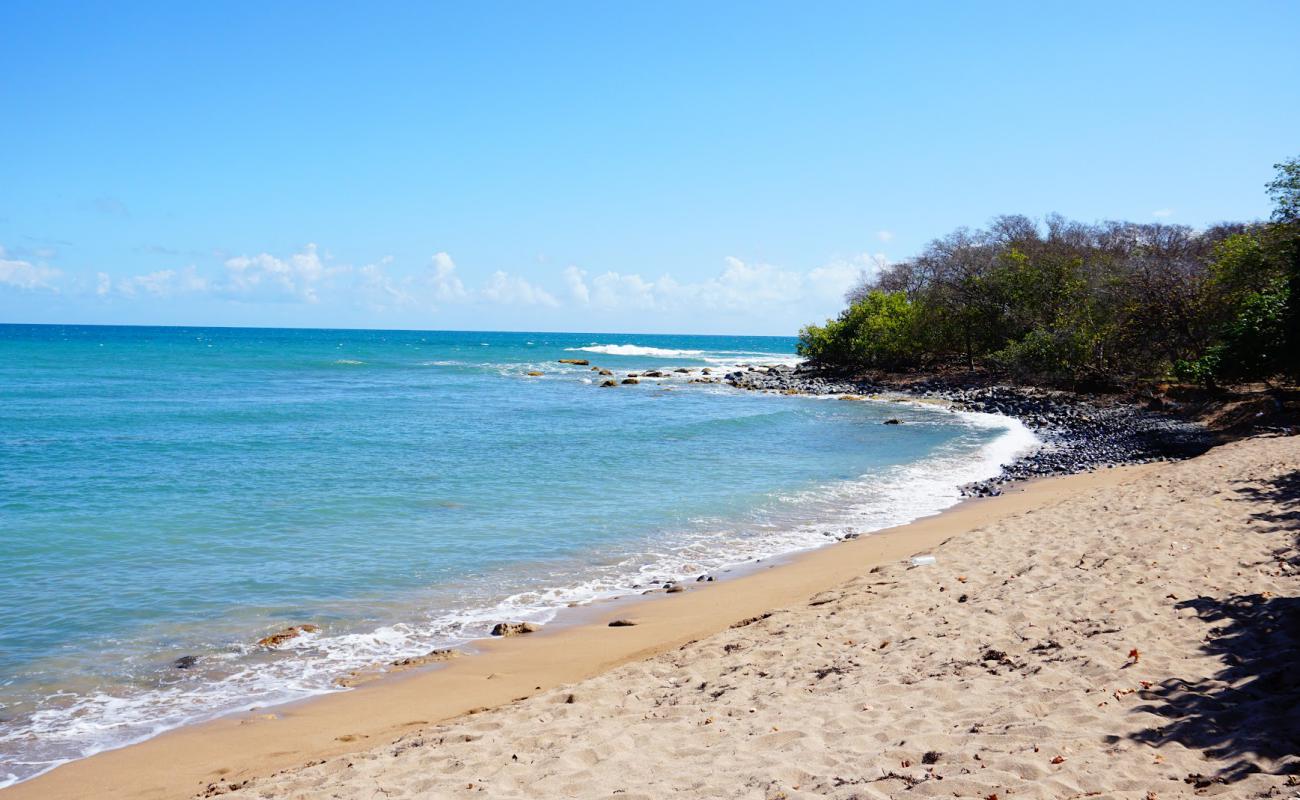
[(1285, 191)]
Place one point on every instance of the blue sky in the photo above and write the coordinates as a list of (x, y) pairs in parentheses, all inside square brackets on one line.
[(616, 166)]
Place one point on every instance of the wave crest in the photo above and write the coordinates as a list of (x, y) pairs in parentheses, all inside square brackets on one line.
[(636, 350)]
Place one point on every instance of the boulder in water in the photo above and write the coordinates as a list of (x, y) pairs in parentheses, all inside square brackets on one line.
[(281, 636), (581, 362), (514, 628)]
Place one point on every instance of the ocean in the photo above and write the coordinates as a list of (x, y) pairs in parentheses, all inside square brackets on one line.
[(172, 492)]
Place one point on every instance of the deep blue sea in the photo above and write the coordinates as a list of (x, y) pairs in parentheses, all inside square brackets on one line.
[(169, 492)]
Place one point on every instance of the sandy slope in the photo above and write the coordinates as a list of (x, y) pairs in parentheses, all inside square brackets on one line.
[(1005, 670)]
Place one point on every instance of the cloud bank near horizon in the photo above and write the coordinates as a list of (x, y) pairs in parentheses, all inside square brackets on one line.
[(439, 291)]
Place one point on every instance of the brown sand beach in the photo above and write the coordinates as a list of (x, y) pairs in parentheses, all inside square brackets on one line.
[(1130, 633)]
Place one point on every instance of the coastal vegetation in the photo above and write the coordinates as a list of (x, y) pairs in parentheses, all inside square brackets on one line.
[(1085, 305)]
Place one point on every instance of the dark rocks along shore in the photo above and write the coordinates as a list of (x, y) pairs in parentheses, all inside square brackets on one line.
[(1079, 433)]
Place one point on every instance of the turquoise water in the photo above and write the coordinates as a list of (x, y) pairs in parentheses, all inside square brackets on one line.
[(167, 492)]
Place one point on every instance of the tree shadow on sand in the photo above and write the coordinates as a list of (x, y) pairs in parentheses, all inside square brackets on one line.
[(1249, 711)]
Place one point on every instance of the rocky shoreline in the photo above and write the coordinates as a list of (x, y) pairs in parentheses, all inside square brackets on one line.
[(1079, 433)]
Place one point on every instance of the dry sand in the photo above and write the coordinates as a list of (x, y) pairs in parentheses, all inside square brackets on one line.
[(1127, 634)]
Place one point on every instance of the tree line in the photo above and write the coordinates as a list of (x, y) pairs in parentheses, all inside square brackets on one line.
[(1076, 304)]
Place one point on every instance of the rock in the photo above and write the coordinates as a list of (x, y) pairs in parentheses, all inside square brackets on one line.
[(675, 588), (581, 362), (185, 662), (432, 657), (514, 628), (622, 623), (893, 421), (630, 381), (602, 371), (706, 371), (280, 637), (534, 374), (607, 384), (654, 373), (682, 370)]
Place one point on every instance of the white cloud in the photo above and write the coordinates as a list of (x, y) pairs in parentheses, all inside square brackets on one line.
[(740, 286), (1162, 213), (615, 290), (768, 296), (382, 290), (447, 286), (885, 236), (515, 290), (299, 277), (160, 283), (576, 281), (26, 275)]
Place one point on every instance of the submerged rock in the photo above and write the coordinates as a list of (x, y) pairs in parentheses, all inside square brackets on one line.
[(893, 421), (581, 362), (534, 374), (629, 381), (602, 371), (281, 636), (607, 384), (432, 657), (514, 628), (185, 662)]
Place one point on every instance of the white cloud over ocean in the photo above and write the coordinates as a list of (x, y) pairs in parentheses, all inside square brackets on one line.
[(440, 292), (21, 274)]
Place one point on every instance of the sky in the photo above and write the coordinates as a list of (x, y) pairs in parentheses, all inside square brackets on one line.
[(697, 167)]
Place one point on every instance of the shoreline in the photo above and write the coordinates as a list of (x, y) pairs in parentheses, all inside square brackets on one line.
[(238, 746), (557, 615)]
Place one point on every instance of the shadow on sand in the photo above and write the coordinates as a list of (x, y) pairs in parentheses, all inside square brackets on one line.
[(1249, 711)]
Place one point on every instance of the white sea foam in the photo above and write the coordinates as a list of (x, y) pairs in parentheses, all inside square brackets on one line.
[(726, 359), (636, 350)]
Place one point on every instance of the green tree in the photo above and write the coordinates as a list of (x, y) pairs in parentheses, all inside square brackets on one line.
[(1285, 191), (878, 331)]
